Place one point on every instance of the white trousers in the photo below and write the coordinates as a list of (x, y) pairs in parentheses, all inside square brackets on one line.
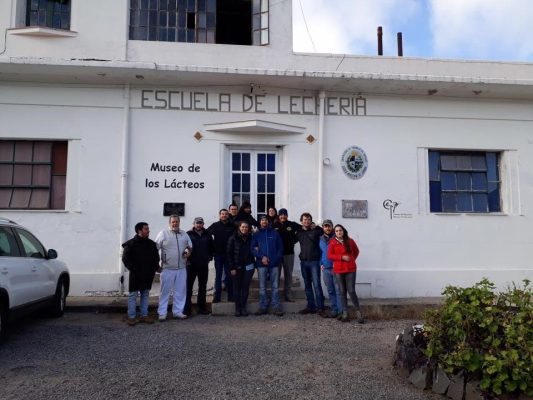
[(173, 280)]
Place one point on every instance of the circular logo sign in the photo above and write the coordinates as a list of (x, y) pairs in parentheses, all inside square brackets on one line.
[(354, 162)]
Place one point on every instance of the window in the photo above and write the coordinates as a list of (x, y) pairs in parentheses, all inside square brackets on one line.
[(173, 20), (253, 179), (260, 22), (200, 21), (8, 243), (33, 174), (464, 181), (32, 246), (48, 13)]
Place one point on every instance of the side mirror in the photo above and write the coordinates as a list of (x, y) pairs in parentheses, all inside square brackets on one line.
[(51, 254)]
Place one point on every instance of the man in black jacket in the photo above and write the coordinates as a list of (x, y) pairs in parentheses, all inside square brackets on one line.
[(287, 230), (141, 258), (221, 231), (198, 265), (309, 238)]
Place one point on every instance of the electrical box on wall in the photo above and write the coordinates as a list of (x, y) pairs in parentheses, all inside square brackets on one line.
[(173, 209)]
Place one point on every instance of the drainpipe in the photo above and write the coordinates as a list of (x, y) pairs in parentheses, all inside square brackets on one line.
[(124, 179), (322, 97)]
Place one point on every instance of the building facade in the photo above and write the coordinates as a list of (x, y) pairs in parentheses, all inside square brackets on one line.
[(179, 106)]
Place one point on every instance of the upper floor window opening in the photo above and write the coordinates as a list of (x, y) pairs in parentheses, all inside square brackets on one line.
[(48, 13), (240, 22)]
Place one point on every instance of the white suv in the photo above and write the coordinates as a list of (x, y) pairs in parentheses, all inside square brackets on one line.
[(30, 276)]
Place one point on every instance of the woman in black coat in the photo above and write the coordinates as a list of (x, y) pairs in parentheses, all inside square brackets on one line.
[(241, 266)]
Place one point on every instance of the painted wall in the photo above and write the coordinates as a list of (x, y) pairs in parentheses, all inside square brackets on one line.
[(415, 255)]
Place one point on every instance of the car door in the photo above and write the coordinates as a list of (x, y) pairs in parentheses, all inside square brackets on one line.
[(15, 272), (43, 279)]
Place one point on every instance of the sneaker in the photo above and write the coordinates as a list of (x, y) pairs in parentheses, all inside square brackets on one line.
[(333, 315), (162, 318), (339, 316), (307, 311), (204, 311), (323, 313), (360, 318), (180, 316), (146, 320), (261, 311), (278, 313), (344, 317), (132, 321)]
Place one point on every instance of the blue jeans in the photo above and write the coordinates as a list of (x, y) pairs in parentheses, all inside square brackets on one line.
[(333, 290), (313, 287), (264, 274), (132, 303), (221, 265)]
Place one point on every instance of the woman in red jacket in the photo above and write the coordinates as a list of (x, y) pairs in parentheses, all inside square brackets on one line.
[(343, 251)]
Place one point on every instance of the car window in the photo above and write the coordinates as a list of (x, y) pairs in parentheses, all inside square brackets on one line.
[(8, 243), (32, 246)]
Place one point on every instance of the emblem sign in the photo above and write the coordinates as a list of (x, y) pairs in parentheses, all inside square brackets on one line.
[(354, 162)]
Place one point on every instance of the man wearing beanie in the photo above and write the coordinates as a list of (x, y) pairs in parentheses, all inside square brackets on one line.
[(287, 230)]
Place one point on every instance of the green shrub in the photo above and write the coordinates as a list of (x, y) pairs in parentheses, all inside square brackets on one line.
[(486, 336)]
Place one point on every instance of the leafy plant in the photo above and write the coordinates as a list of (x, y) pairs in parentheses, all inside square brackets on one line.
[(486, 336)]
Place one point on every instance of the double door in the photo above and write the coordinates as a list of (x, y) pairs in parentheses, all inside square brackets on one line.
[(254, 177)]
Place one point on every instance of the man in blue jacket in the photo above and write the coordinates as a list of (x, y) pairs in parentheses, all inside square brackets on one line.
[(267, 247)]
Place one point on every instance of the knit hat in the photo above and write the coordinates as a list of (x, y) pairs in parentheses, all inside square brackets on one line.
[(283, 211)]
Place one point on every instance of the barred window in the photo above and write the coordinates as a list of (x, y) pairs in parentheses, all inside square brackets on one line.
[(464, 181), (33, 174), (48, 13)]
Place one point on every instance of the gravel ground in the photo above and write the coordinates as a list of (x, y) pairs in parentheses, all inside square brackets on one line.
[(97, 356)]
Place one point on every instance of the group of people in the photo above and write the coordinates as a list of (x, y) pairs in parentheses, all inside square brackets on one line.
[(240, 245)]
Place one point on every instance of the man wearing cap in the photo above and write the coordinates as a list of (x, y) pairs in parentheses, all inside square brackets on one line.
[(267, 248), (175, 247), (287, 230), (198, 265), (309, 238), (327, 270)]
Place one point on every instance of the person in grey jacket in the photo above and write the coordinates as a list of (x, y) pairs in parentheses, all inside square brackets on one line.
[(175, 247)]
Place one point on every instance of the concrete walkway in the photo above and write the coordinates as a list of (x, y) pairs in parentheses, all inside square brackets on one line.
[(371, 308)]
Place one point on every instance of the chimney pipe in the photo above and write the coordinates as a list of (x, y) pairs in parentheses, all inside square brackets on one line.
[(400, 44), (380, 41)]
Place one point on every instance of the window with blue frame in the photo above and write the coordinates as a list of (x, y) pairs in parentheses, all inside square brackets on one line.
[(464, 181), (48, 13)]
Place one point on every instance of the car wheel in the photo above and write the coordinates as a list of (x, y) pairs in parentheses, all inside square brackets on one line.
[(3, 321), (60, 299)]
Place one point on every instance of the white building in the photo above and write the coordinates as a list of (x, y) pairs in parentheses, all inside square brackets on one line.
[(132, 124)]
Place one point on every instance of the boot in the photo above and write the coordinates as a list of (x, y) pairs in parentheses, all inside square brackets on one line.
[(359, 317)]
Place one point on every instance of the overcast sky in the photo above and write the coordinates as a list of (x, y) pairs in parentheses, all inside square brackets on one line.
[(458, 29)]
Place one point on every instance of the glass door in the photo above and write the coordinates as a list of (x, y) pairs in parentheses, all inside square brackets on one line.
[(254, 178)]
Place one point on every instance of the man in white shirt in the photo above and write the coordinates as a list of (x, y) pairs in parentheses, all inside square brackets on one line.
[(175, 247)]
